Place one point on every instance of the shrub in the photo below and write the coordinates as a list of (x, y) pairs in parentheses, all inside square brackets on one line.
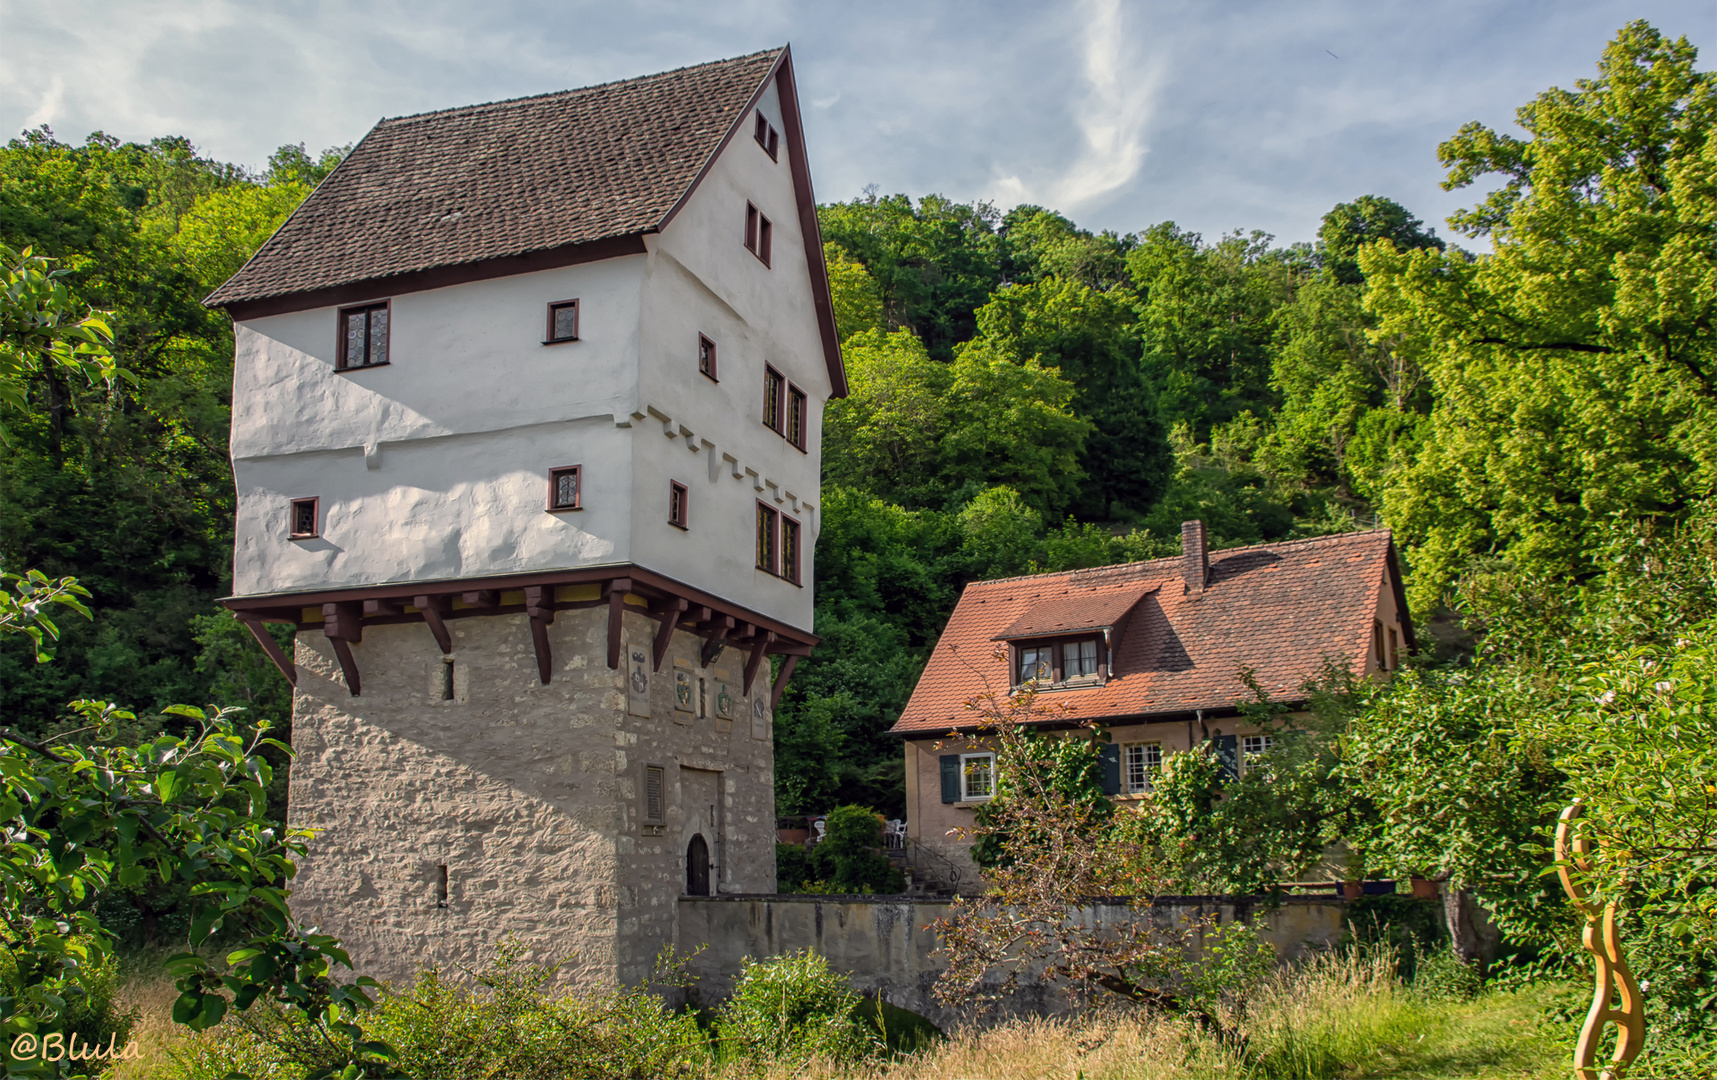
[(849, 856), (511, 1023), (1444, 976), (794, 1007), (792, 867)]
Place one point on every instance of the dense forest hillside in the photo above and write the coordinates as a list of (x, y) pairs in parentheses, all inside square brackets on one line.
[(1026, 395)]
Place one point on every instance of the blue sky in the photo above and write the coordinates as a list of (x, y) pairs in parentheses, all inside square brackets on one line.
[(1218, 114)]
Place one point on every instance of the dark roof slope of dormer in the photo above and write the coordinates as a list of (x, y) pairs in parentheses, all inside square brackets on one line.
[(522, 185), (1279, 609)]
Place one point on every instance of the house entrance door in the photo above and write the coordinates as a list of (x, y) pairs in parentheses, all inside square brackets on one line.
[(697, 867)]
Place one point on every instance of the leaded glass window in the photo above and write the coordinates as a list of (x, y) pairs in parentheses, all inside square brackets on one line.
[(364, 336), (564, 488)]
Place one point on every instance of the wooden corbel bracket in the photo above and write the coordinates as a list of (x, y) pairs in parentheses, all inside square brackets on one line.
[(760, 642), (343, 624), (539, 605), (271, 647), (434, 610), (668, 613), (616, 589)]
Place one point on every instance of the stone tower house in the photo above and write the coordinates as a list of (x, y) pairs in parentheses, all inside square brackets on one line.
[(527, 405)]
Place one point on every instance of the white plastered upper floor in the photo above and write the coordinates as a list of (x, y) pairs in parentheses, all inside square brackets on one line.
[(435, 467)]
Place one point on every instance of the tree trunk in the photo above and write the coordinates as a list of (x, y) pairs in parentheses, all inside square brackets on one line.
[(1458, 915)]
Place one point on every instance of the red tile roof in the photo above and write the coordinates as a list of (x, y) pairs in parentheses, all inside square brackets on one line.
[(1070, 613), (1279, 609), (504, 179)]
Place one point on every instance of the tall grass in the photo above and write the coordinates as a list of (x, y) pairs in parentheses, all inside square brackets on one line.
[(1340, 1015)]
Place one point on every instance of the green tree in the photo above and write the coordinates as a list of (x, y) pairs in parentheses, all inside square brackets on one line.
[(1204, 318), (1039, 244), (1573, 367), (1086, 335), (857, 300), (935, 262)]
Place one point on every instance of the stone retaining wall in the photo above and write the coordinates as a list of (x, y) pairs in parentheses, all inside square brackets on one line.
[(887, 947)]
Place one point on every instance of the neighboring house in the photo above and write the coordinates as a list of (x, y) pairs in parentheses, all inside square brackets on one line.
[(527, 415), (1153, 652)]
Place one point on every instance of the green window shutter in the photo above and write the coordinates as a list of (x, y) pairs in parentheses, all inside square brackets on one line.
[(1110, 756), (1228, 753), (950, 778)]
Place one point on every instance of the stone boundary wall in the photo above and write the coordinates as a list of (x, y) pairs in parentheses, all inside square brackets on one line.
[(886, 945)]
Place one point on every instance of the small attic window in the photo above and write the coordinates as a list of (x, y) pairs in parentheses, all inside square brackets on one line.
[(363, 336), (564, 488), (759, 234), (303, 519), (562, 322), (677, 509), (706, 357), (767, 137)]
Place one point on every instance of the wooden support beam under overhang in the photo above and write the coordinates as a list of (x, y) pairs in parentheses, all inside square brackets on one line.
[(343, 624), (671, 603), (667, 611), (616, 589), (788, 663), (271, 647), (433, 608), (759, 649), (539, 605)]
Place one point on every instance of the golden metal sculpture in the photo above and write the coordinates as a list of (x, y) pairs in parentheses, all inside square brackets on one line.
[(1613, 976)]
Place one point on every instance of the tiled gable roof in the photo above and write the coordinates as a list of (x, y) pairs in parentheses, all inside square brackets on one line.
[(1278, 609), (505, 179)]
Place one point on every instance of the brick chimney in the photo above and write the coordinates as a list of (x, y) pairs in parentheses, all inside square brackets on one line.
[(1195, 556)]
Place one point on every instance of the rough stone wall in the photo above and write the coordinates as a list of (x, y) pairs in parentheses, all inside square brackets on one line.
[(530, 795), (887, 946)]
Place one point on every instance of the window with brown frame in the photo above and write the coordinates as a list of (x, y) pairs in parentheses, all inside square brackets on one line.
[(706, 357), (363, 336), (677, 496), (1061, 661), (565, 488), (768, 544), (1394, 649), (1377, 645), (767, 137), (304, 519), (795, 416), (759, 234), (790, 549), (773, 405), (562, 322)]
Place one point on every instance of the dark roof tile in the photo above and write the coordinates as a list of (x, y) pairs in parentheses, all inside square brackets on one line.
[(503, 179)]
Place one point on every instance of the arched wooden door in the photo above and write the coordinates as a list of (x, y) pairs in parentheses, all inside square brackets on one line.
[(697, 866)]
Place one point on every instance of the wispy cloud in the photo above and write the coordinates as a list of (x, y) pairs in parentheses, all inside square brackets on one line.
[(1112, 115)]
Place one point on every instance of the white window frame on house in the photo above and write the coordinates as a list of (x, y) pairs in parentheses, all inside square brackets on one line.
[(1051, 653), (1252, 747), (1140, 764), (966, 777)]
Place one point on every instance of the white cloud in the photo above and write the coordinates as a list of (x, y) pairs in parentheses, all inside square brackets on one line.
[(1111, 116)]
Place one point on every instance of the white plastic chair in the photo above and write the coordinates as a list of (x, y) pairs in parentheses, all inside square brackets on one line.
[(894, 834)]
